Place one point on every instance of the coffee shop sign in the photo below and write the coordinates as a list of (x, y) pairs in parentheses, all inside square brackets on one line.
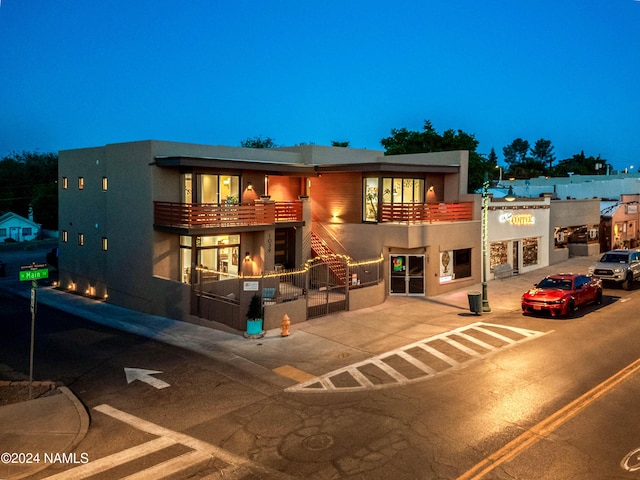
[(517, 218)]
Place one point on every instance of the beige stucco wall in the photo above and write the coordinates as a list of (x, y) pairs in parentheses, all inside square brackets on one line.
[(570, 213)]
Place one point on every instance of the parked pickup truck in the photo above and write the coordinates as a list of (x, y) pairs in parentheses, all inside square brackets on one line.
[(620, 266)]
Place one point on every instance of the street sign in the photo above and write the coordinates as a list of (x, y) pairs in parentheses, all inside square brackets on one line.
[(36, 271)]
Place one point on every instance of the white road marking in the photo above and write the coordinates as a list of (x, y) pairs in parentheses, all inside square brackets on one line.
[(505, 335), (143, 375), (201, 453)]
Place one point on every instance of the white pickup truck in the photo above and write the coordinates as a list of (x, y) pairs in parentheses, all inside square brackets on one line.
[(620, 266)]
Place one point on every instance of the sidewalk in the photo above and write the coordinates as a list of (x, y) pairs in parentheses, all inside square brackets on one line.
[(314, 347)]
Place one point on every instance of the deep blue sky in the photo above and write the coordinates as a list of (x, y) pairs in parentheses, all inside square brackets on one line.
[(86, 73)]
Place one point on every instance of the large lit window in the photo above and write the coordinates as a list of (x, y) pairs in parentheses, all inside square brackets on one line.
[(498, 254), (218, 254), (370, 200), (402, 190), (529, 251), (218, 188)]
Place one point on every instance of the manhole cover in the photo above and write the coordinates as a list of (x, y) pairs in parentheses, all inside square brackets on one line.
[(320, 441)]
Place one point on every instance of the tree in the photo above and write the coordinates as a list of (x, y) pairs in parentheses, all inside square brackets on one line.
[(30, 178), (403, 141), (543, 151), (515, 152), (580, 164), (337, 143), (519, 165), (258, 142)]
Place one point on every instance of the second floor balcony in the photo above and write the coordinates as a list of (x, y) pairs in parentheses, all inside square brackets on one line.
[(426, 212), (204, 216)]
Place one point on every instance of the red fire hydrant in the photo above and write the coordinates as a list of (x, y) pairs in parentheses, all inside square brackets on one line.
[(285, 325)]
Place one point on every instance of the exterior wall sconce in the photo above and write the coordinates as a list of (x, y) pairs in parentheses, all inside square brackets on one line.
[(247, 257), (249, 186), (431, 188)]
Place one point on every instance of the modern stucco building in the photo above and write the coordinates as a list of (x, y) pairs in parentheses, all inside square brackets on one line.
[(161, 227)]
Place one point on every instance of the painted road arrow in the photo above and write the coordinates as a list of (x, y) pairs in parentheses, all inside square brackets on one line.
[(143, 375)]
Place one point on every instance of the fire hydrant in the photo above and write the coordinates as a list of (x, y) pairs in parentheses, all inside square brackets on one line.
[(285, 325)]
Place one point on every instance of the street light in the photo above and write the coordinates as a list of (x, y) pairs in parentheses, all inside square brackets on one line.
[(485, 212), (510, 196)]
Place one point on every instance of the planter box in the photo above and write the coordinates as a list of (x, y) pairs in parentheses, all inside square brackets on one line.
[(254, 327)]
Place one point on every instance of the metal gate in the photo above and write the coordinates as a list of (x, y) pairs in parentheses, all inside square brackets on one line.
[(327, 286)]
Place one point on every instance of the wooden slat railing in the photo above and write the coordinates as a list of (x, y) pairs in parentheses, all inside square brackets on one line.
[(426, 212), (215, 215)]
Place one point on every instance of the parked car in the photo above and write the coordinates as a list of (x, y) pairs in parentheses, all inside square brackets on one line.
[(619, 266), (579, 235), (562, 294)]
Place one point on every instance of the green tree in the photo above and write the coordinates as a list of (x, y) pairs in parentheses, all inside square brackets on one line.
[(403, 141), (519, 165), (258, 142), (580, 164), (30, 178), (543, 152), (338, 143), (516, 152)]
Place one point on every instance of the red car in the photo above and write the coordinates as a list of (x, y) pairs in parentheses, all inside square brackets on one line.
[(562, 294)]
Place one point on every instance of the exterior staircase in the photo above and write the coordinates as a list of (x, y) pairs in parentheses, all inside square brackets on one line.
[(337, 263)]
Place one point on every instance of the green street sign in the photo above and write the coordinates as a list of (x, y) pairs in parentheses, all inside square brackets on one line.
[(38, 274)]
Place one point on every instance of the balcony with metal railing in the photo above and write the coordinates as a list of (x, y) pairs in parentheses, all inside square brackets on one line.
[(426, 212), (205, 216)]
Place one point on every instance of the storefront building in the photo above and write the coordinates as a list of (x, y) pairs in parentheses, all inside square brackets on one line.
[(518, 234)]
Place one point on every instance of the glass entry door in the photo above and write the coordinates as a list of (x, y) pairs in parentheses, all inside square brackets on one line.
[(407, 275)]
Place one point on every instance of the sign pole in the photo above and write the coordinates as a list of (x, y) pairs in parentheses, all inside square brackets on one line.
[(34, 293), (33, 272)]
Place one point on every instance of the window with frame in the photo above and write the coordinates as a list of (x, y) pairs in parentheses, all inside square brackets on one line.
[(80, 183), (81, 239), (529, 251), (105, 184), (26, 231), (498, 254), (65, 236), (65, 183), (105, 244), (403, 190), (370, 199)]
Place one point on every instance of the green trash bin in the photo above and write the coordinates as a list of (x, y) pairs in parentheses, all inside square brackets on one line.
[(475, 302)]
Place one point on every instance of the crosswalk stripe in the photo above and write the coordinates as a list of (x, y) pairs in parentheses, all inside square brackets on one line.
[(475, 340), (416, 363), (440, 355), (460, 346), (388, 370), (101, 464), (358, 372), (170, 467)]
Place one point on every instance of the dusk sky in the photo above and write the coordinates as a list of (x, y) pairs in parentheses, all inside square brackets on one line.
[(86, 73)]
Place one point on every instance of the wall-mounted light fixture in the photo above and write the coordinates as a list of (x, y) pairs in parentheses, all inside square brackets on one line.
[(431, 188), (247, 257), (249, 186)]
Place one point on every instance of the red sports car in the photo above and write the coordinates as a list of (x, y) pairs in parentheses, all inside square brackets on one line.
[(562, 294)]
